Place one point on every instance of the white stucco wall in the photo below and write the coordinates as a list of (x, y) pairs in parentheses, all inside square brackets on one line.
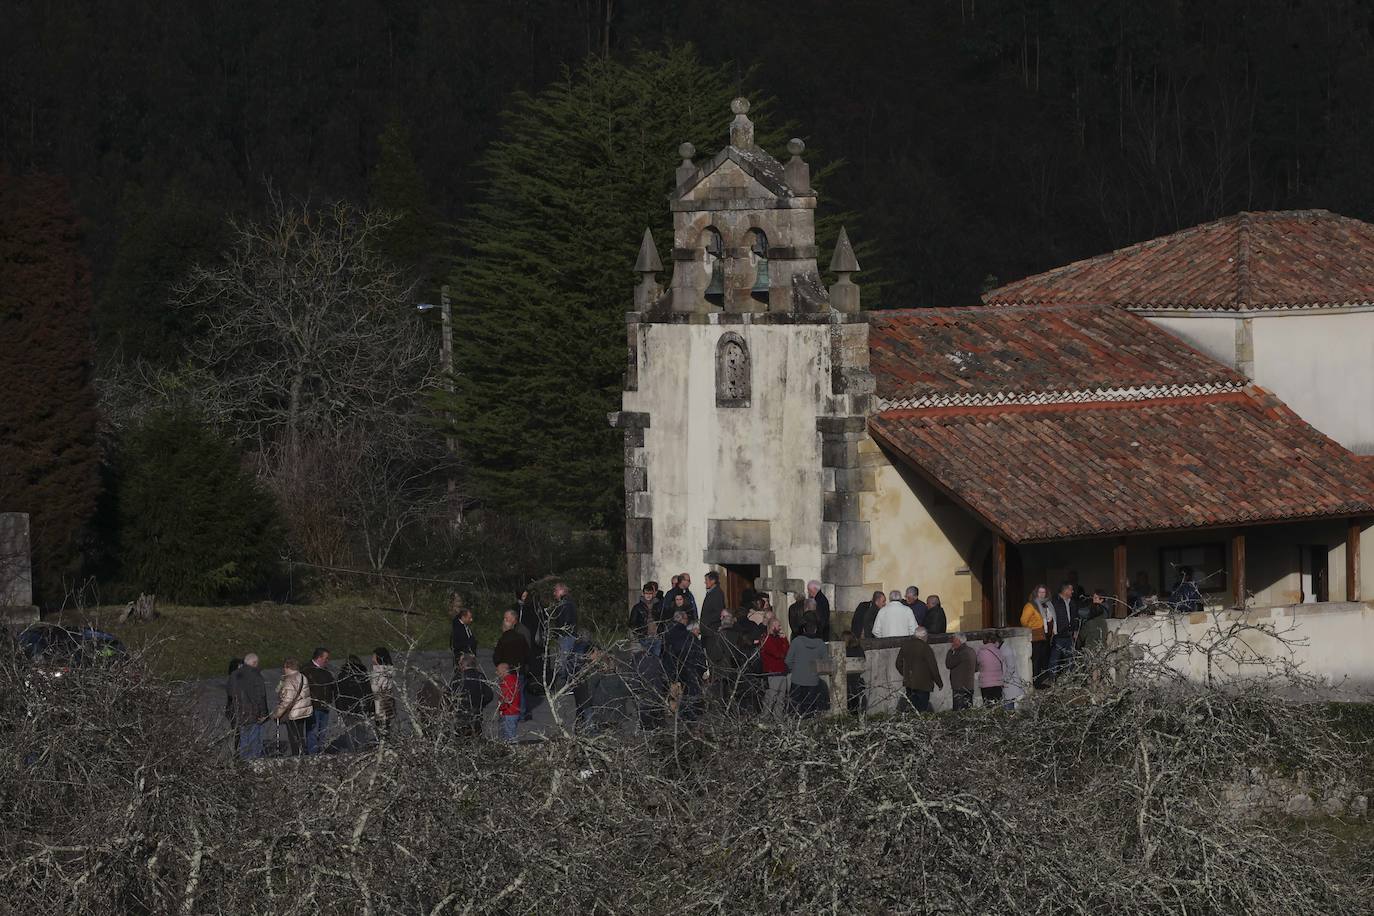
[(1326, 641), (918, 537), (1319, 362), (1215, 336), (757, 462), (1322, 365)]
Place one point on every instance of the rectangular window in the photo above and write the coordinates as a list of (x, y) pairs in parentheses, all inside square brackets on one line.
[(1208, 562)]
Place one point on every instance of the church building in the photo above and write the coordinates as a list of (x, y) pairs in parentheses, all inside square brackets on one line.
[(1203, 400)]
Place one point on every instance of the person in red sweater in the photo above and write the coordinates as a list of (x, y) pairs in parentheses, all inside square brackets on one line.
[(508, 686), (773, 652)]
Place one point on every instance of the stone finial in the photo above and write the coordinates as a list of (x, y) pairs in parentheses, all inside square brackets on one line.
[(843, 262), (687, 170), (796, 172), (844, 292), (741, 128), (648, 261), (647, 265)]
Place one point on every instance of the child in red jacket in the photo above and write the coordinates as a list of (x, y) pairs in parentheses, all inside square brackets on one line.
[(508, 688)]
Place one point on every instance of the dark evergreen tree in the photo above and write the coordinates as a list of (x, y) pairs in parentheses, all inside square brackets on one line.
[(49, 458), (539, 344), (135, 317), (396, 187), (194, 526)]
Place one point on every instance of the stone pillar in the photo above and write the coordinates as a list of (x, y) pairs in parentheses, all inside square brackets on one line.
[(639, 521), (16, 572)]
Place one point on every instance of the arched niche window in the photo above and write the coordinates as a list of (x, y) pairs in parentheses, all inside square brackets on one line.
[(715, 266), (758, 259), (732, 371)]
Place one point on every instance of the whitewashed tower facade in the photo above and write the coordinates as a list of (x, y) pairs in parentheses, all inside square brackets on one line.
[(747, 387)]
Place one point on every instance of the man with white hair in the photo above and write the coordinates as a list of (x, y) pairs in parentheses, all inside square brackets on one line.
[(962, 663), (894, 620), (813, 591), (248, 698)]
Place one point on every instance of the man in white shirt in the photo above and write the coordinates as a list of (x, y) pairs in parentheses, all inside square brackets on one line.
[(894, 620)]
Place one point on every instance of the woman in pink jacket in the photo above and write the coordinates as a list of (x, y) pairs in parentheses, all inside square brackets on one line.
[(990, 671)]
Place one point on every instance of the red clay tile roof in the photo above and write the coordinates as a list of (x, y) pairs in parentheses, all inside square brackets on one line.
[(981, 355), (1293, 258), (1046, 472)]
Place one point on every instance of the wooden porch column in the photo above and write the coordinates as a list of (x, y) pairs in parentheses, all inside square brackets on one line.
[(1238, 569), (1352, 559), (999, 581), (1119, 578)]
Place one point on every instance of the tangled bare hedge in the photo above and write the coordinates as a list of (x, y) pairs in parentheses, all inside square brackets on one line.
[(114, 804)]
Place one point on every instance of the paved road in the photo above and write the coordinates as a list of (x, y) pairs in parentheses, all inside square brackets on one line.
[(411, 673)]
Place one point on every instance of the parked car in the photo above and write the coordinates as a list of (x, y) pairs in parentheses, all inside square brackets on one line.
[(56, 650)]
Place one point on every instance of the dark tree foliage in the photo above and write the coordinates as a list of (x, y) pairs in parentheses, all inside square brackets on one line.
[(983, 140), (194, 526), (135, 317), (996, 137), (397, 187), (49, 459), (577, 173)]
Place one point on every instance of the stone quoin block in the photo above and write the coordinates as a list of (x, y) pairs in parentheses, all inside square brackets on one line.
[(830, 537), (839, 454), (639, 535), (853, 538), (840, 507)]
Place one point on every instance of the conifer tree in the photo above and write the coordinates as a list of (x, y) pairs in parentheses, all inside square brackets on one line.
[(49, 458), (397, 188), (194, 525), (578, 172)]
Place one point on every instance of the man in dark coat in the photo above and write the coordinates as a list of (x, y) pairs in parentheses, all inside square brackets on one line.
[(645, 610), (563, 621), (919, 609), (650, 688), (936, 623), (463, 638), (355, 702), (962, 664), (796, 611), (248, 702), (711, 607), (684, 661), (814, 592), (472, 694), (322, 696), (1063, 628), (920, 675), (865, 614)]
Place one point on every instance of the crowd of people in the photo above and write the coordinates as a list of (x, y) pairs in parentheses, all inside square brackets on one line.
[(306, 697), (1071, 619), (684, 658)]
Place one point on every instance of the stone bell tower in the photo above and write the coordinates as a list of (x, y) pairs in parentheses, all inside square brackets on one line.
[(747, 387)]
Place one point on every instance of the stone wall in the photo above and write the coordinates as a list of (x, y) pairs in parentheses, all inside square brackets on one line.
[(1329, 641), (884, 684), (16, 572)]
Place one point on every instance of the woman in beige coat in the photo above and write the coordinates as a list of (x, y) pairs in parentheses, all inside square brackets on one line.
[(293, 704)]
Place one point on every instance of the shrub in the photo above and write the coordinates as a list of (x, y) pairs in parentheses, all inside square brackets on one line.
[(193, 525)]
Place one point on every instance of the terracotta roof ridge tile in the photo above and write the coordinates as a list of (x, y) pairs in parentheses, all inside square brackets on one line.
[(986, 410), (1242, 296)]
